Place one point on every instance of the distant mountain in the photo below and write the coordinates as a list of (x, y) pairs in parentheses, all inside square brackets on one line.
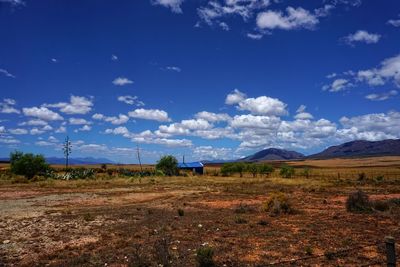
[(79, 161), (273, 154), (72, 161), (361, 148)]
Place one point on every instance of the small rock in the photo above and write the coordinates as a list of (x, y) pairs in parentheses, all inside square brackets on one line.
[(6, 242)]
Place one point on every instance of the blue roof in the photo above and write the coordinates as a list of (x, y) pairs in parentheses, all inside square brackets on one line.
[(190, 165)]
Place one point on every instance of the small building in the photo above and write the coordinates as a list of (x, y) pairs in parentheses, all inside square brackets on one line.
[(195, 167)]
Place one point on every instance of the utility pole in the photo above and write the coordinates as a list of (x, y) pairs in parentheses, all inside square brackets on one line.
[(67, 150), (138, 155)]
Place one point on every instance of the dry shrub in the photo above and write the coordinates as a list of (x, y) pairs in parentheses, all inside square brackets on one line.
[(358, 202), (278, 203)]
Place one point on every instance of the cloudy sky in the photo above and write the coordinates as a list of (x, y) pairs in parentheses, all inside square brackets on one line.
[(208, 79)]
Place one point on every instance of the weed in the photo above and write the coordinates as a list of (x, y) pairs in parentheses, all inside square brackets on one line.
[(309, 250), (240, 220), (181, 212), (204, 257), (278, 203), (358, 202)]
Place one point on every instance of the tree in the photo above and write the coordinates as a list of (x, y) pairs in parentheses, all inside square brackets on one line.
[(168, 165), (287, 171), (239, 167), (27, 165), (266, 169), (253, 169)]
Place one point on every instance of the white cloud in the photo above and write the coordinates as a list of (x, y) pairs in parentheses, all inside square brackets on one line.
[(234, 97), (61, 129), (7, 106), (209, 152), (18, 131), (174, 5), (54, 60), (77, 105), (185, 127), (215, 11), (254, 36), (9, 140), (253, 121), (338, 85), (78, 121), (302, 114), (363, 37), (34, 122), (36, 131), (84, 128), (173, 68), (114, 57), (388, 71), (381, 96), (213, 117), (224, 26), (130, 100), (121, 81), (394, 22), (6, 73), (294, 19), (14, 2), (121, 119), (263, 105), (149, 114), (42, 113)]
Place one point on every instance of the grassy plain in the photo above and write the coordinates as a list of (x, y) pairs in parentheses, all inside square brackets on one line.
[(119, 221)]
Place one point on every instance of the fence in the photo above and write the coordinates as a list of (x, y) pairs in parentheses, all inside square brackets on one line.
[(388, 258)]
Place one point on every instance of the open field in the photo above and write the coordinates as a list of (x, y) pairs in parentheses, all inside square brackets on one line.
[(115, 221)]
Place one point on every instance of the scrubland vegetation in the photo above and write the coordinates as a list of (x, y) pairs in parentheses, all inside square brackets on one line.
[(237, 214)]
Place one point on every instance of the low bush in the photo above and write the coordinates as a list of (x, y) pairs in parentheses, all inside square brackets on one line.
[(278, 203), (287, 171), (27, 165), (240, 220), (205, 257), (181, 212), (358, 202)]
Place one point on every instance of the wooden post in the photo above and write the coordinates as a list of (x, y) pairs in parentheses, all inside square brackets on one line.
[(390, 251)]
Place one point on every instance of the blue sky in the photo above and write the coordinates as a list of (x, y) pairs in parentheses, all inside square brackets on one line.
[(210, 79)]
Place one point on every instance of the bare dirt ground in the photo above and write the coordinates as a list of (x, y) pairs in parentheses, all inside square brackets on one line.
[(137, 223)]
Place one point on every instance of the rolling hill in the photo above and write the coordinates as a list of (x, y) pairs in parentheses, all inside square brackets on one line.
[(361, 148), (273, 154)]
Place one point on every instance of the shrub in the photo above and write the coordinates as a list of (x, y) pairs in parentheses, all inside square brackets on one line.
[(278, 203), (104, 166), (362, 176), (168, 165), (253, 169), (306, 172), (358, 202), (227, 169), (287, 171), (181, 212), (204, 257), (27, 165), (265, 169), (240, 220)]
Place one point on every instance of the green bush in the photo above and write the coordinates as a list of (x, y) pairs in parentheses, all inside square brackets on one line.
[(265, 169), (168, 165), (28, 165), (204, 257), (233, 167), (287, 171), (358, 202), (253, 169)]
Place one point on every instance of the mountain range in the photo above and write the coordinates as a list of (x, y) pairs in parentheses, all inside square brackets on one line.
[(72, 161)]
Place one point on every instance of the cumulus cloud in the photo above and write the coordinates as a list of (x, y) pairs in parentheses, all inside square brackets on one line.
[(254, 36), (209, 152), (121, 81), (174, 5), (389, 70), (215, 11), (114, 57), (294, 18), (84, 128), (149, 114), (234, 97), (34, 122), (121, 119), (362, 37), (130, 100), (212, 117), (394, 22), (18, 131), (263, 105), (337, 85), (42, 113), (382, 96), (77, 105), (7, 106), (78, 121)]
